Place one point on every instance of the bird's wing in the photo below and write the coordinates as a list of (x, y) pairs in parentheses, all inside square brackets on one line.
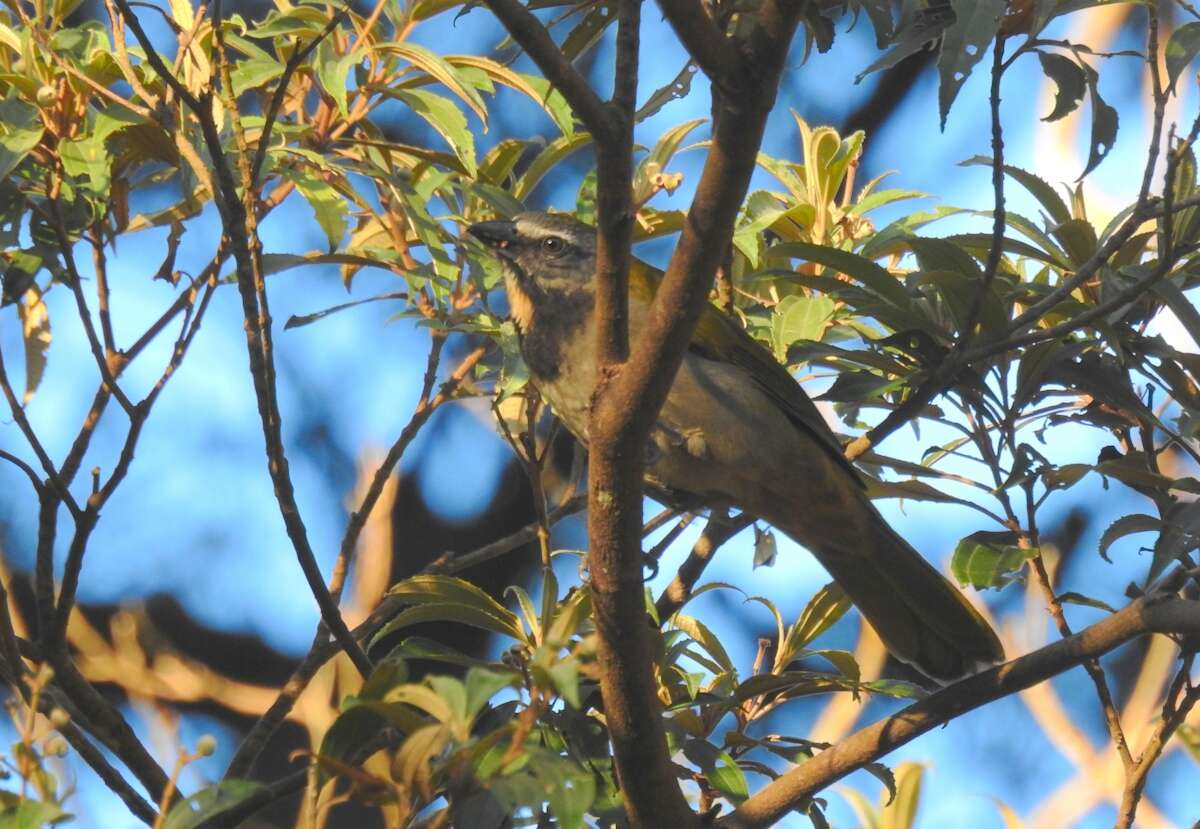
[(720, 337)]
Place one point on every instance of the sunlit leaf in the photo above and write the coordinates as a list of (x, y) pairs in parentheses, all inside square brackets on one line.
[(210, 802), (988, 559)]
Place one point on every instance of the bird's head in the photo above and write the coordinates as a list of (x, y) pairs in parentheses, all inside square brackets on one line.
[(543, 254)]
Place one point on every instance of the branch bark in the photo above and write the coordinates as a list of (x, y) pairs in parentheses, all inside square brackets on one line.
[(1152, 614)]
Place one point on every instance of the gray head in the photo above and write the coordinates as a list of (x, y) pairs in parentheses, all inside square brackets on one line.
[(542, 251)]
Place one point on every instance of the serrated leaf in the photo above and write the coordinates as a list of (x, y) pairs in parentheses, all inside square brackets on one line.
[(988, 559), (902, 813), (1047, 196), (871, 275), (1104, 126), (963, 45), (1069, 80), (444, 116), (440, 69), (1127, 525)]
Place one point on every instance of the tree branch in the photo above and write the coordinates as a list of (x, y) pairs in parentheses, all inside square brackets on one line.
[(1153, 614), (705, 42), (234, 219), (716, 532), (532, 36)]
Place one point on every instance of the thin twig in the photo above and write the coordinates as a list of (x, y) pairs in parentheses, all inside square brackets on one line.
[(1112, 719), (262, 730), (251, 288), (298, 57)]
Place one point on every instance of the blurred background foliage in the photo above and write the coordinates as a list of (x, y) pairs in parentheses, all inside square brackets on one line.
[(854, 261)]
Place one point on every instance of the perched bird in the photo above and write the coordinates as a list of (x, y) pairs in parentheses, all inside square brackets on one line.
[(736, 431)]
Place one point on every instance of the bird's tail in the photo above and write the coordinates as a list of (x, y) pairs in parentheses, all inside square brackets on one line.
[(921, 617)]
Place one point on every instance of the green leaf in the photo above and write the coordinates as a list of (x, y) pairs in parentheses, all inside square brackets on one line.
[(874, 277), (975, 25), (705, 638), (440, 69), (333, 70), (88, 158), (719, 768), (20, 131), (828, 605), (251, 74), (210, 802), (444, 116), (799, 318), (1127, 525), (547, 159), (988, 559), (328, 206), (450, 593), (1047, 196), (1181, 50), (505, 624), (1069, 80)]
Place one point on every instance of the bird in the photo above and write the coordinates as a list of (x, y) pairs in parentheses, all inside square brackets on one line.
[(736, 431)]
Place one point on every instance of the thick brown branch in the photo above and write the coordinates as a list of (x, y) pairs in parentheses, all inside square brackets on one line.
[(699, 34), (532, 36), (1156, 614)]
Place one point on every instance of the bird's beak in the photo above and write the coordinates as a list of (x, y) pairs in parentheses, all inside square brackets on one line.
[(499, 236)]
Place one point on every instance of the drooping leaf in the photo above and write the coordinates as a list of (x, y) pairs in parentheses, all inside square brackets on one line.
[(1127, 525), (1069, 80), (1181, 50), (1072, 597), (444, 116), (35, 331), (1104, 125), (963, 45)]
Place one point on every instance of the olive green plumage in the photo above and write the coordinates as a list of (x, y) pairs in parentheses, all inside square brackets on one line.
[(736, 430)]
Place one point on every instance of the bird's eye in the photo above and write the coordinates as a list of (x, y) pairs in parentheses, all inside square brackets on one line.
[(553, 245)]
